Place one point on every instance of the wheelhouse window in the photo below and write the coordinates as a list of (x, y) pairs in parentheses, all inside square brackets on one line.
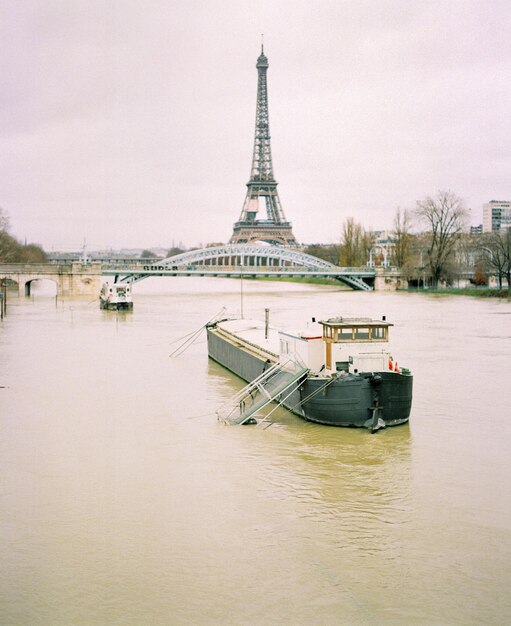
[(343, 334), (379, 333)]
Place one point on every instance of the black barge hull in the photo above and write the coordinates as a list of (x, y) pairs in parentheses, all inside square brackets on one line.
[(347, 401)]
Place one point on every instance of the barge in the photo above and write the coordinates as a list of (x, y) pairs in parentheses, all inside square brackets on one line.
[(338, 372)]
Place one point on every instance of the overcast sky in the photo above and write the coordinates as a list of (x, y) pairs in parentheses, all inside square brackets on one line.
[(129, 123)]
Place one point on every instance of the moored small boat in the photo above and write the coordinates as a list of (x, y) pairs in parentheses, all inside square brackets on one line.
[(338, 372), (115, 297)]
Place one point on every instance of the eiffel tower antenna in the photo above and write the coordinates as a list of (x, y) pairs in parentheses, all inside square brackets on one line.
[(262, 186)]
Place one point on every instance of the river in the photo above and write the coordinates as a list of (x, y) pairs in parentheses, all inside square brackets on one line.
[(125, 502)]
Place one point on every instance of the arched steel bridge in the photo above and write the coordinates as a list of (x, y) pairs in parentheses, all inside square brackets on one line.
[(243, 261)]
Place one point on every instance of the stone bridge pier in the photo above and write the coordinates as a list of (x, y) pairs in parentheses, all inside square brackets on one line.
[(389, 279), (72, 279)]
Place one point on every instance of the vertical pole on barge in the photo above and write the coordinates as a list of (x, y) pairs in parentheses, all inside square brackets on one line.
[(266, 322), (241, 288)]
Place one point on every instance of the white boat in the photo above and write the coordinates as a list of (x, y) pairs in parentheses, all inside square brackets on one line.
[(115, 296)]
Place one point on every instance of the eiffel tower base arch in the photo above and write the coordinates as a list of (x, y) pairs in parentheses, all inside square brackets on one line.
[(275, 234)]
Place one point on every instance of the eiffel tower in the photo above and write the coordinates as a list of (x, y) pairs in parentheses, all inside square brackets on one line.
[(262, 186)]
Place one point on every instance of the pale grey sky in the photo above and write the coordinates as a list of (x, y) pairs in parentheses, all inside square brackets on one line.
[(129, 123)]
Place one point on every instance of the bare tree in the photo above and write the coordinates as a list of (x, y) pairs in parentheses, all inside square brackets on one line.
[(471, 258), (33, 253), (327, 252), (445, 216), (498, 251), (4, 220), (402, 250), (9, 247), (367, 244), (355, 244)]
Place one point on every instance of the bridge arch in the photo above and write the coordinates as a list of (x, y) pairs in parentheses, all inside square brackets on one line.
[(27, 287), (249, 255), (244, 260)]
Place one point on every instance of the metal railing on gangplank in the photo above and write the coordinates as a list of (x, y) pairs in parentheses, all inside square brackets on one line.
[(272, 383)]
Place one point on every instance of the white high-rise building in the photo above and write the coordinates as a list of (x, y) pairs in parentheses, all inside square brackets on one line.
[(496, 215)]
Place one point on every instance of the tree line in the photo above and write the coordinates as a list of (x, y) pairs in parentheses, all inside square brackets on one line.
[(429, 243)]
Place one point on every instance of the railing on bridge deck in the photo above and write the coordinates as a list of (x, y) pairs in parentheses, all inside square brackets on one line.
[(354, 277), (225, 269)]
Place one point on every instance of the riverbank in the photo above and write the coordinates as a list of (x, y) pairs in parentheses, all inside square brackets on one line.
[(474, 292), (298, 279)]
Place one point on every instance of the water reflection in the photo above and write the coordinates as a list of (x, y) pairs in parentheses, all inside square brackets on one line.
[(354, 483)]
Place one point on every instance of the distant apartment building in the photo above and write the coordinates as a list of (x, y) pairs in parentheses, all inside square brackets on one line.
[(383, 245), (476, 230), (496, 215)]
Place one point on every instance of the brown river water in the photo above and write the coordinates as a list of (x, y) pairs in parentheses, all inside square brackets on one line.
[(125, 502)]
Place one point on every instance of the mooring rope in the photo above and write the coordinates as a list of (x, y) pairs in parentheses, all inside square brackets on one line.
[(193, 336)]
